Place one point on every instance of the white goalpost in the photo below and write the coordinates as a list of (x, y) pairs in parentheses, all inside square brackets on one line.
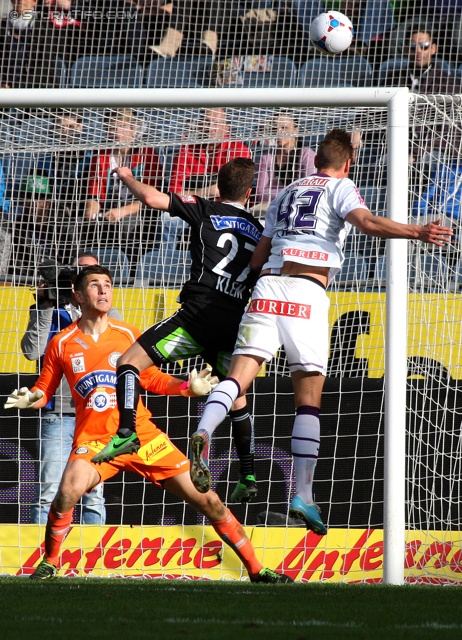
[(374, 336)]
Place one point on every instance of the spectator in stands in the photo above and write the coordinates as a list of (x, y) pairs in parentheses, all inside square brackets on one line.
[(61, 30), (195, 167), (68, 168), (170, 24), (423, 74), (31, 39), (286, 161), (37, 230), (114, 28), (55, 308), (108, 199)]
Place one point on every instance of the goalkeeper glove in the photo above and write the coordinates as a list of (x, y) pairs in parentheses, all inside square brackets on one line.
[(22, 398), (199, 384)]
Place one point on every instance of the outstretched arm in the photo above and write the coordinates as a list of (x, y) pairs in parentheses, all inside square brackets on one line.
[(381, 227), (199, 384), (145, 193), (24, 399)]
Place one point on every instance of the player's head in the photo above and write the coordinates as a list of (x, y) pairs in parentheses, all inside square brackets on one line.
[(214, 123), (85, 259), (235, 179), (284, 128), (86, 274), (334, 151), (421, 47)]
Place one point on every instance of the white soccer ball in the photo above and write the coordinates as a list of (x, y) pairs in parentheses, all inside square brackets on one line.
[(331, 32)]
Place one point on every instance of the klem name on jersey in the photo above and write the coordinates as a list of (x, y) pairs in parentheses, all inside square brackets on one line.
[(236, 223), (95, 379), (231, 288)]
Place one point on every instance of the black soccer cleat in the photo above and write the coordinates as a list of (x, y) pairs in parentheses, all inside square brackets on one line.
[(44, 571), (268, 576)]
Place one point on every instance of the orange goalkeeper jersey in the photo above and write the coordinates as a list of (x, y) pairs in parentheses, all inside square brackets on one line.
[(90, 368)]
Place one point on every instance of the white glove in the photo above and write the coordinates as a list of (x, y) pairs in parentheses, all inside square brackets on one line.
[(22, 398), (200, 384)]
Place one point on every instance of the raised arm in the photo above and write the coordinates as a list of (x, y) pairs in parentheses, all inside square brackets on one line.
[(381, 227), (145, 193)]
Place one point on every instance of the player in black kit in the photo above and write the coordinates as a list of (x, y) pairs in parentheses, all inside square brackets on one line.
[(223, 237)]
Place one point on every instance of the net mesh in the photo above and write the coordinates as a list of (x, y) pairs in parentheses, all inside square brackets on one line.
[(57, 201)]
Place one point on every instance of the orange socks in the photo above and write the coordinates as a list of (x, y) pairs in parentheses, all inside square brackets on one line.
[(57, 528), (232, 532)]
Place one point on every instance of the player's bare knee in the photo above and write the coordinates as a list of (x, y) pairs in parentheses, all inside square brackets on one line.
[(65, 500), (212, 506)]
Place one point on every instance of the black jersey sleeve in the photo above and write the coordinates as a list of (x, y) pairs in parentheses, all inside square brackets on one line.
[(191, 209)]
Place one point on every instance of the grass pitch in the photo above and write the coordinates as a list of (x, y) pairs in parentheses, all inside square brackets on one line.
[(75, 608)]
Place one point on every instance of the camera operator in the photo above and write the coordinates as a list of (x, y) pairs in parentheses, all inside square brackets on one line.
[(55, 309)]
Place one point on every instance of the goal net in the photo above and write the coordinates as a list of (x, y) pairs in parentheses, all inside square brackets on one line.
[(58, 200)]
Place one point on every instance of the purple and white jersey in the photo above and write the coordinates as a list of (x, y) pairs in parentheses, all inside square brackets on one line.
[(306, 222)]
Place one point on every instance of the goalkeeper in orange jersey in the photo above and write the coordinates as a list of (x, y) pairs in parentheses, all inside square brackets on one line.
[(86, 352)]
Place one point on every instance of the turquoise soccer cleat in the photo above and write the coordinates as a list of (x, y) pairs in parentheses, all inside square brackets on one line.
[(309, 513)]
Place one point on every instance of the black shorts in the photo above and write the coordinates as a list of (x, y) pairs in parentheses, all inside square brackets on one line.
[(198, 328)]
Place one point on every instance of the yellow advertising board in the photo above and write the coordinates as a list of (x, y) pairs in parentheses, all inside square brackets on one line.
[(433, 323), (196, 552)]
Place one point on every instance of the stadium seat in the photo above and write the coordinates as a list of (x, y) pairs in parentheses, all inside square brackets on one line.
[(116, 261), (357, 243), (164, 267), (283, 73), (322, 72), (356, 71), (380, 272), (98, 72), (389, 66), (354, 272), (429, 272), (375, 198), (306, 11), (180, 72), (375, 19), (60, 73)]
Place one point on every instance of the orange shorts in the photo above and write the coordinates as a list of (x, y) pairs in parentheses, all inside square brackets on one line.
[(156, 460)]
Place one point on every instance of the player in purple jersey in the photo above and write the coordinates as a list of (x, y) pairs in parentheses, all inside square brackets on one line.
[(300, 250), (223, 237)]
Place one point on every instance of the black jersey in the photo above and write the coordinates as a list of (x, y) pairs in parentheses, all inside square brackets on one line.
[(223, 238)]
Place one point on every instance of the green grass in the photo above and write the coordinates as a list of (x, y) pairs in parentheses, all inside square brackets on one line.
[(69, 608)]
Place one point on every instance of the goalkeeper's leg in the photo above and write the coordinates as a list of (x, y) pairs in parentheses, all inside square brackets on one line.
[(79, 476), (227, 527)]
